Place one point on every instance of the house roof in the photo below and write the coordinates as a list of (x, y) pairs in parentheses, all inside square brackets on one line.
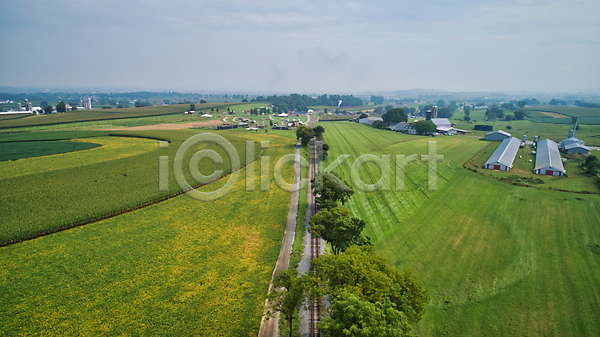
[(504, 133), (576, 145), (548, 156), (505, 153), (441, 122)]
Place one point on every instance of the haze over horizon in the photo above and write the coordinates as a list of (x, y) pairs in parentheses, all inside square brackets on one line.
[(307, 46)]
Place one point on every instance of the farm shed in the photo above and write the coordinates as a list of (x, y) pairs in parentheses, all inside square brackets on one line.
[(547, 159), (497, 135), (502, 159), (577, 148), (369, 120)]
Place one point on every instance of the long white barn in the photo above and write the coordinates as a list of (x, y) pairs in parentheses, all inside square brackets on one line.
[(547, 159), (502, 159)]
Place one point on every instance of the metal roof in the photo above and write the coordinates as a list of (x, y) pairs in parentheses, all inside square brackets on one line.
[(505, 153), (548, 156), (441, 122), (575, 145), (500, 132)]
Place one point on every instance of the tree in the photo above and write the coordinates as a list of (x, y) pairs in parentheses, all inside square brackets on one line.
[(520, 114), (425, 127), (508, 117), (271, 122), (48, 109), (319, 130), (388, 107), (445, 113), (380, 125), (192, 107), (441, 103), (291, 296), (338, 228), (395, 115), (305, 133), (61, 107), (202, 101), (363, 115), (325, 110), (508, 127), (351, 316), (244, 100), (43, 103), (521, 104), (360, 271), (377, 100), (377, 110), (330, 189), (467, 109)]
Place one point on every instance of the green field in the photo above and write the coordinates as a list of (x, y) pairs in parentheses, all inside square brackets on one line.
[(50, 193), (557, 132), (97, 115), (567, 110), (497, 259), (178, 267), (20, 150)]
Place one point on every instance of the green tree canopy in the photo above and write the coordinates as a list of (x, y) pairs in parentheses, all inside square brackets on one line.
[(330, 189), (425, 127), (291, 295), (319, 131), (305, 133), (395, 115), (338, 228), (363, 115), (360, 271), (520, 114), (61, 107), (351, 316)]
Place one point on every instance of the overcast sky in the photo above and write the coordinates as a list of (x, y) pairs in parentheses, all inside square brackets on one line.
[(306, 46)]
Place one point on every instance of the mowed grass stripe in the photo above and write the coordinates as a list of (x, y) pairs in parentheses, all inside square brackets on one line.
[(497, 259)]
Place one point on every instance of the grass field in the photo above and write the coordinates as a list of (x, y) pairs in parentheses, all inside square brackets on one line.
[(567, 110), (20, 150), (181, 267), (497, 259)]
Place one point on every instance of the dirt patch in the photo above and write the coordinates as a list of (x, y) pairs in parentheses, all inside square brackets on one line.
[(552, 114), (169, 126)]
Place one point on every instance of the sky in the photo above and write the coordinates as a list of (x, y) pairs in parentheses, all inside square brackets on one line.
[(304, 46)]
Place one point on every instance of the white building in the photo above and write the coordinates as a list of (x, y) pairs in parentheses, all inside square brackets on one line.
[(547, 159), (369, 120), (503, 158)]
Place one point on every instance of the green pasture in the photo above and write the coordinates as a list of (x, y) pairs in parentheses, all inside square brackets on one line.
[(497, 259), (567, 110), (181, 267), (50, 193), (557, 132)]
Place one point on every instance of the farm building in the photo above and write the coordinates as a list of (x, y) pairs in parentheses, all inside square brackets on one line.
[(547, 159), (577, 148), (502, 159), (369, 120), (497, 135)]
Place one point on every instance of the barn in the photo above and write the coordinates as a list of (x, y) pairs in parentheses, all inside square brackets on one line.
[(577, 148), (502, 159), (547, 159), (497, 135)]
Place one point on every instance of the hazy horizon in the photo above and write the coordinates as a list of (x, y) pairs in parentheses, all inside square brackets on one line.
[(305, 46)]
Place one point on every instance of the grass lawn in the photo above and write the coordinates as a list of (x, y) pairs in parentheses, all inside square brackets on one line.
[(497, 259)]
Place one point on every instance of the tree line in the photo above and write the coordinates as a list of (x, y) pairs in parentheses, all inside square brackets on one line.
[(368, 296)]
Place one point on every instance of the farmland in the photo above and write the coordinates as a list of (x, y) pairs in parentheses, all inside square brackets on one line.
[(497, 259), (180, 267), (82, 186)]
